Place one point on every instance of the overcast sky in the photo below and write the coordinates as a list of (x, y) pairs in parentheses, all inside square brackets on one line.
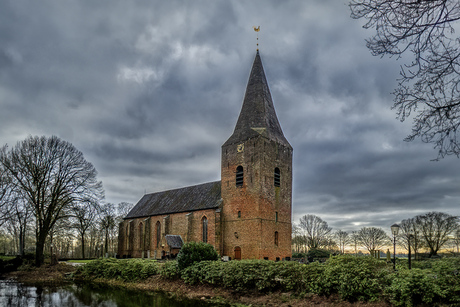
[(150, 90)]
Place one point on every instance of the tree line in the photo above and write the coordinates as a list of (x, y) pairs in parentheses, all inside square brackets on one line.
[(50, 197), (428, 232)]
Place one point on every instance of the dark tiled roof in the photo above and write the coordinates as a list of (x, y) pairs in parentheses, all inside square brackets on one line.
[(198, 197), (174, 241), (257, 116)]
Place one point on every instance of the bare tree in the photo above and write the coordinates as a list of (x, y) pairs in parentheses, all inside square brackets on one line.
[(108, 223), (19, 216), (430, 84), (52, 175), (456, 238), (60, 238), (6, 196), (298, 240), (373, 238), (435, 228), (123, 209), (316, 231), (354, 239), (343, 239), (410, 233), (84, 216)]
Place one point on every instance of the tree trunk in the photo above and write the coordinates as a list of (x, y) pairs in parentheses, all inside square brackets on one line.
[(39, 256), (40, 247), (106, 241), (83, 246), (21, 242)]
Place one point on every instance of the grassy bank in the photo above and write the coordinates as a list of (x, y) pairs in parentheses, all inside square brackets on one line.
[(344, 278), (46, 274)]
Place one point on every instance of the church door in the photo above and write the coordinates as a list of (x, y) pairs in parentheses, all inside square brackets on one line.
[(237, 253)]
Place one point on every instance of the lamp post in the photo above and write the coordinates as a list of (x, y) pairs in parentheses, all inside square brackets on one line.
[(394, 231)]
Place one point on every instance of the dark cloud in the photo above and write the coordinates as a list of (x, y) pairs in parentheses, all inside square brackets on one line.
[(150, 90)]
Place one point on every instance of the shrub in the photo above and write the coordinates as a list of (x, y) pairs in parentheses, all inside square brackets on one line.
[(192, 252), (354, 279), (447, 275), (170, 270), (248, 275), (202, 272), (412, 287), (317, 254), (299, 255), (312, 276), (137, 269), (110, 268)]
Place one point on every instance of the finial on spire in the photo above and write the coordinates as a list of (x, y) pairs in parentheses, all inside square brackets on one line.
[(257, 29)]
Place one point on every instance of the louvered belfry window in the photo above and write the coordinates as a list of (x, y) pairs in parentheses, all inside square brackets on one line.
[(277, 181), (239, 176)]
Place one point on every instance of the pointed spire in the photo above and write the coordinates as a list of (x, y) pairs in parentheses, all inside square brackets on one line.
[(257, 116)]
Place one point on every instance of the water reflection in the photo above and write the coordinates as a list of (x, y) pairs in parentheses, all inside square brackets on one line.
[(18, 295)]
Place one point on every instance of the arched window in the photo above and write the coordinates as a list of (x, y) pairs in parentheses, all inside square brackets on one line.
[(277, 180), (239, 176), (141, 235), (204, 223), (158, 229), (276, 238), (127, 236)]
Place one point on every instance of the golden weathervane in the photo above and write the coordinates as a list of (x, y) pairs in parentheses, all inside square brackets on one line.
[(257, 29)]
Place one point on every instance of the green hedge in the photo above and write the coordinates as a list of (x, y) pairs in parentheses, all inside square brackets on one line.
[(111, 268), (192, 252), (353, 279)]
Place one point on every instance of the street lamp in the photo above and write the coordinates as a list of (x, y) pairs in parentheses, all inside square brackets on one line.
[(394, 231)]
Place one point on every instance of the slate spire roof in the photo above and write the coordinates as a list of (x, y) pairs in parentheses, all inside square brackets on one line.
[(257, 116)]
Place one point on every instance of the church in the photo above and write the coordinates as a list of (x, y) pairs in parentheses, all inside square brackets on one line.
[(245, 215)]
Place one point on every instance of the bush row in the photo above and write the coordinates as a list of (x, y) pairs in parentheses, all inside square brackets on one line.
[(353, 279), (111, 268)]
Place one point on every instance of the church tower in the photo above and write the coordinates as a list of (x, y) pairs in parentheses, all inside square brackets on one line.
[(256, 179)]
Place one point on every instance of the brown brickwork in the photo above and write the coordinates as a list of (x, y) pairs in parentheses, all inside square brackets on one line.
[(263, 207), (247, 213), (187, 225)]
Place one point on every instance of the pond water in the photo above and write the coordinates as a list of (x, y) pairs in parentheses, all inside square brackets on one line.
[(18, 295)]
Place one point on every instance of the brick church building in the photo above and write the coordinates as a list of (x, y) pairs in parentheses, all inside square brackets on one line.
[(246, 215)]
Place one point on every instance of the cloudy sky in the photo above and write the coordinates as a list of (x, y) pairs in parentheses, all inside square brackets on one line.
[(150, 90)]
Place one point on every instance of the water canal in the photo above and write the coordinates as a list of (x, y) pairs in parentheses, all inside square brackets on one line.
[(73, 295)]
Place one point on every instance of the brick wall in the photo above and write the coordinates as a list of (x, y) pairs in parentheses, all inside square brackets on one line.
[(253, 212), (142, 233)]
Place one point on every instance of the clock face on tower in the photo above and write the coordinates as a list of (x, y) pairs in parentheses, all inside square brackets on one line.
[(240, 148)]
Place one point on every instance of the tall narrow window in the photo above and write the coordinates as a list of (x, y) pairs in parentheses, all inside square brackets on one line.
[(127, 237), (141, 235), (204, 223), (276, 238), (239, 214), (158, 228), (239, 176), (276, 216), (277, 180)]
